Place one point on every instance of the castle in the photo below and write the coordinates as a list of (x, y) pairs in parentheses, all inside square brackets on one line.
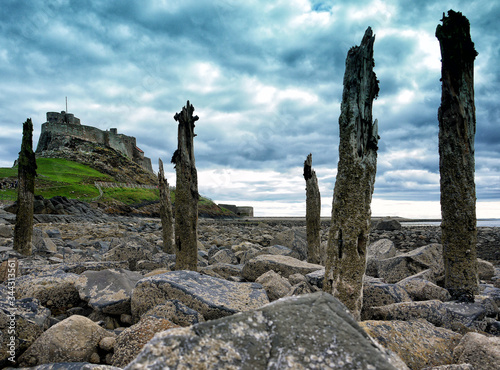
[(66, 125)]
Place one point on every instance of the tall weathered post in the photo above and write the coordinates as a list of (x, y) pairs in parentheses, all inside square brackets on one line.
[(351, 212), (457, 128), (23, 230), (186, 192), (313, 212), (165, 211)]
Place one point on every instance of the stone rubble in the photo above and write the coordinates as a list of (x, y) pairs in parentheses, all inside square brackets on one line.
[(112, 277)]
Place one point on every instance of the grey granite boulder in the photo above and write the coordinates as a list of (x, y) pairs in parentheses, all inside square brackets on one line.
[(130, 341), (75, 339), (130, 253), (394, 269), (283, 265), (26, 317), (480, 351), (423, 290), (212, 297), (388, 224), (304, 332), (55, 290), (381, 294), (176, 312), (295, 239), (108, 291), (485, 269), (223, 256), (276, 286), (417, 342)]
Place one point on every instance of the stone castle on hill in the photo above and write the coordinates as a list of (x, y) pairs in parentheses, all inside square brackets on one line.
[(66, 126)]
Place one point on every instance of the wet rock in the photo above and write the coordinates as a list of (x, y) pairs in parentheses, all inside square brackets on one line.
[(212, 297), (290, 332), (417, 342), (108, 291), (74, 339), (283, 265)]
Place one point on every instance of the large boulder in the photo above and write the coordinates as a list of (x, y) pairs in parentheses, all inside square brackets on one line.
[(108, 291), (388, 224), (130, 253), (381, 294), (212, 297), (417, 342), (485, 269), (75, 339), (424, 290), (309, 331), (480, 351), (130, 341), (283, 265), (55, 291), (394, 269)]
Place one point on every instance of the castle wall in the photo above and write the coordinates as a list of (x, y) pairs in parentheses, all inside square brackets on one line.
[(66, 124)]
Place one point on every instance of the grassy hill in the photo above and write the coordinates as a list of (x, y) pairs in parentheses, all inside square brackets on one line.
[(62, 177)]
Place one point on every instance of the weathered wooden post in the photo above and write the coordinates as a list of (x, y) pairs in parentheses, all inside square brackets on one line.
[(186, 192), (23, 230), (313, 212), (165, 211), (351, 212), (457, 128)]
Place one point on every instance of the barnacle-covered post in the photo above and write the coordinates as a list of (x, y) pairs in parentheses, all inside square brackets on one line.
[(186, 192), (313, 212), (165, 211), (23, 230), (351, 212), (457, 128)]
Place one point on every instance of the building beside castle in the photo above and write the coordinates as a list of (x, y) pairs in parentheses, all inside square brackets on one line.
[(66, 125)]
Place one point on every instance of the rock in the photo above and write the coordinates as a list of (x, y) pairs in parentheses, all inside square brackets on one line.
[(212, 297), (42, 243), (381, 294), (295, 239), (6, 231), (283, 265), (107, 343), (175, 311), (316, 278), (388, 224), (275, 285), (108, 291), (394, 269), (480, 351), (55, 291), (130, 253), (289, 333), (130, 342), (27, 317), (223, 256), (223, 270), (74, 339), (485, 269), (381, 249), (424, 290), (417, 342), (77, 267), (279, 250)]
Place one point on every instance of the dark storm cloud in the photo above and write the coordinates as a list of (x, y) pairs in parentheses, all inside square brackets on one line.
[(265, 79)]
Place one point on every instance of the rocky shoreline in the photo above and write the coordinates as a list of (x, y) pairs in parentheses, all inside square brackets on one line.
[(98, 288)]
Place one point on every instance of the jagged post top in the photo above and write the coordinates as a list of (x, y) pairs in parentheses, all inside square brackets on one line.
[(308, 167), (186, 114)]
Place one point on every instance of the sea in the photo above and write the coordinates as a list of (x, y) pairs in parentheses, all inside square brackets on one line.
[(493, 222)]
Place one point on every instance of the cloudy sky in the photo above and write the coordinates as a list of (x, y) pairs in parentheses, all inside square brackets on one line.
[(265, 78)]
